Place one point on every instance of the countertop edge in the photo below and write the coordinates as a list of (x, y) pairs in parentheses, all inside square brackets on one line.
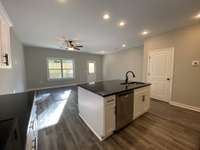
[(114, 93)]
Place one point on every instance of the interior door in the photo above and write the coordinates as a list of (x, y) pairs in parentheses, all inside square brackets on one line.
[(160, 73), (91, 71)]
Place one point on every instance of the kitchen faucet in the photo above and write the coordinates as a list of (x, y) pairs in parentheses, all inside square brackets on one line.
[(126, 80)]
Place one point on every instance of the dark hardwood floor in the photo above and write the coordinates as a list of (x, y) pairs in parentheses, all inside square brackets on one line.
[(164, 128)]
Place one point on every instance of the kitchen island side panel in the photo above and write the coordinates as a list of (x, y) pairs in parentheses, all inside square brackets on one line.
[(91, 110)]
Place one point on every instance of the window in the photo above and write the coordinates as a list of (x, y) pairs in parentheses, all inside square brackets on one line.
[(60, 68), (91, 67)]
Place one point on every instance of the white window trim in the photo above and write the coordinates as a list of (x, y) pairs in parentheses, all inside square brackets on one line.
[(91, 61), (62, 79)]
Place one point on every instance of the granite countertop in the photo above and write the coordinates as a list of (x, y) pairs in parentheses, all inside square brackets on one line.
[(15, 106), (112, 87)]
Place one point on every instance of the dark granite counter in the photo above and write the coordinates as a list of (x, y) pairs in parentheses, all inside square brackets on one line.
[(18, 107), (112, 87)]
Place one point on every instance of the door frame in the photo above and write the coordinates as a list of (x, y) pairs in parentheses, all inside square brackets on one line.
[(171, 49)]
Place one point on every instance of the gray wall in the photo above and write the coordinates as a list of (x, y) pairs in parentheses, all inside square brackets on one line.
[(14, 79), (36, 66), (115, 65), (186, 41)]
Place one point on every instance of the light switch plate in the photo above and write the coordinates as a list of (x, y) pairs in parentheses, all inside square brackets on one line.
[(195, 63)]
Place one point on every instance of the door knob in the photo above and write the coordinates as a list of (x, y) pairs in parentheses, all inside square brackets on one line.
[(168, 79)]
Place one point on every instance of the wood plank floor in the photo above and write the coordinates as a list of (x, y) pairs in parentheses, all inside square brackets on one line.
[(164, 128)]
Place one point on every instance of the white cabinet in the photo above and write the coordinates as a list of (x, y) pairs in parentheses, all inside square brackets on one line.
[(5, 50), (141, 101), (109, 113), (97, 112), (32, 133)]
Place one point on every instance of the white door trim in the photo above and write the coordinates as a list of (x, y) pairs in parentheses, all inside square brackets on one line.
[(172, 67)]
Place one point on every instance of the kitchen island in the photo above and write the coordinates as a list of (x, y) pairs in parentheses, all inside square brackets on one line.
[(108, 106)]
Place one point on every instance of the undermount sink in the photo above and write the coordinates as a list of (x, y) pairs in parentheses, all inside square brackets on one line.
[(124, 83)]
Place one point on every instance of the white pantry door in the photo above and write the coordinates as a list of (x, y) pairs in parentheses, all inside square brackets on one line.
[(160, 73)]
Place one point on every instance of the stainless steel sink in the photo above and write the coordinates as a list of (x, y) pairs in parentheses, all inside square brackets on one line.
[(124, 83)]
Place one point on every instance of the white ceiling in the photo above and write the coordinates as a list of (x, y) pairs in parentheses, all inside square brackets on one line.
[(40, 22)]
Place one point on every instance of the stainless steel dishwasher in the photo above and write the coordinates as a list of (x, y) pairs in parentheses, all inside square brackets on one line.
[(124, 109)]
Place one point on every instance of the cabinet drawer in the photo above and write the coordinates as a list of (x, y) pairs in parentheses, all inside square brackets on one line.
[(110, 100), (142, 90), (141, 101), (109, 115)]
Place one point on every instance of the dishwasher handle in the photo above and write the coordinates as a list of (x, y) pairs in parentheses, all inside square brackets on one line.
[(125, 94), (110, 101)]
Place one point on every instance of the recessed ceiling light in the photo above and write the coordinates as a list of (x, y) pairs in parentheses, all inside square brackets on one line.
[(106, 16), (123, 45), (145, 32), (197, 16), (122, 23), (62, 1)]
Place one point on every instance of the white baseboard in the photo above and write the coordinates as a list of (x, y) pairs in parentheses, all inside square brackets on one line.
[(197, 109)]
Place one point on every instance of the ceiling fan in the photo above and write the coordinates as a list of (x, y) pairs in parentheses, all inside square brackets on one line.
[(71, 44)]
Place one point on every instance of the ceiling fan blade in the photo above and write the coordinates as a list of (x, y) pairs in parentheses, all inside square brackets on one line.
[(77, 48)]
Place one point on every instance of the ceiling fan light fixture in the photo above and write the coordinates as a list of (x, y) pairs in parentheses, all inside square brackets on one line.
[(70, 48), (106, 16), (70, 45), (123, 45)]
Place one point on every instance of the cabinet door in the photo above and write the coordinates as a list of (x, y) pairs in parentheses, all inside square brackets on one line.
[(138, 106), (141, 101), (4, 44), (109, 115), (14, 142)]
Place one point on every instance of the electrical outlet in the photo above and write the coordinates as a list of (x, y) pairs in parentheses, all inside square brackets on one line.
[(195, 63)]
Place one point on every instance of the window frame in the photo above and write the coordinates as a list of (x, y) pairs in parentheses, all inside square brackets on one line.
[(61, 79), (91, 61)]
